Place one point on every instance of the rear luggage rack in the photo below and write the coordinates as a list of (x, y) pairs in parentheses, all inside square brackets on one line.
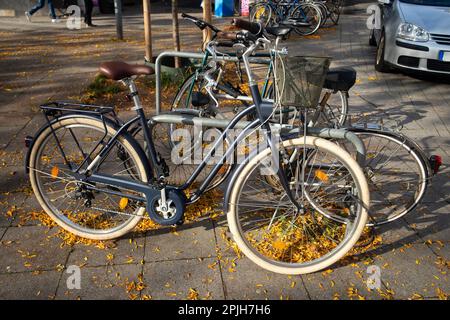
[(59, 107)]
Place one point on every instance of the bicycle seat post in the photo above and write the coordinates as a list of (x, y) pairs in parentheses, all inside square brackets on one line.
[(151, 151), (129, 82)]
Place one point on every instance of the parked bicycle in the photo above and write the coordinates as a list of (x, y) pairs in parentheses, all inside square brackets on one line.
[(397, 169), (295, 206), (95, 180), (304, 16)]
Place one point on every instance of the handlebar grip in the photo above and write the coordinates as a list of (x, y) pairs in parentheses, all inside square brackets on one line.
[(251, 27), (227, 35), (184, 15), (227, 44)]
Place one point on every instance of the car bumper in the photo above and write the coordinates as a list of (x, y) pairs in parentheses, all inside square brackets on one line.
[(423, 56)]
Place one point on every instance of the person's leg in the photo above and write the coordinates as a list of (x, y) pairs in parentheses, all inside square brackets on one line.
[(52, 9), (37, 7), (88, 6)]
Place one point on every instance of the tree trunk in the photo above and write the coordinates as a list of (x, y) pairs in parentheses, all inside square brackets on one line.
[(207, 17), (118, 14), (175, 31), (147, 30)]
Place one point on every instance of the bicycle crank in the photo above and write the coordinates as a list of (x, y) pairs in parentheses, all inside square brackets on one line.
[(167, 211)]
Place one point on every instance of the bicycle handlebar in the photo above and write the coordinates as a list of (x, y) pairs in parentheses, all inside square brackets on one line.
[(255, 30), (200, 23)]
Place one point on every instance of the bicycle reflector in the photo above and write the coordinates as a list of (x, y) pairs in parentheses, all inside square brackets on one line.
[(435, 162), (28, 140)]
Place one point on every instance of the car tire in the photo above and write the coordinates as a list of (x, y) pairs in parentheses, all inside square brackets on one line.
[(380, 64), (372, 40)]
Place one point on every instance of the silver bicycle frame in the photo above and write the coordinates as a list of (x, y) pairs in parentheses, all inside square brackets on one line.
[(340, 134)]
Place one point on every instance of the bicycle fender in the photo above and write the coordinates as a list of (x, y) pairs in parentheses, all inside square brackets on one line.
[(232, 180), (407, 141), (73, 115)]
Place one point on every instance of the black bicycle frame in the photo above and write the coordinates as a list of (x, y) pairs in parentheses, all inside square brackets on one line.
[(263, 110), (153, 163)]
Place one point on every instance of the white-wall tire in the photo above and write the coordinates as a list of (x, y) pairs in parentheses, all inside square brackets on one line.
[(92, 123), (291, 269)]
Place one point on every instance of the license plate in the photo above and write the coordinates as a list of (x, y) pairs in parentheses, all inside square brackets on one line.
[(444, 56)]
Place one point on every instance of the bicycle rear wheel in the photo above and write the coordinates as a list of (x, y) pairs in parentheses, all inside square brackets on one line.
[(93, 211), (334, 111), (272, 233), (324, 13), (397, 174), (334, 8), (306, 13), (163, 133), (183, 147), (262, 13)]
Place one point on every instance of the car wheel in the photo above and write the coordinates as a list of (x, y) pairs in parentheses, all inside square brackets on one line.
[(380, 64), (372, 40)]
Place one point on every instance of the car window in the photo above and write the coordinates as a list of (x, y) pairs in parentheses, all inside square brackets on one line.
[(440, 3)]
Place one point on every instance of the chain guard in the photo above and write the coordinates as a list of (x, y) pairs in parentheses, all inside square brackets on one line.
[(177, 200)]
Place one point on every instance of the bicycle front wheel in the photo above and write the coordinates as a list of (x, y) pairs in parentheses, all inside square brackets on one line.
[(333, 113), (270, 230)]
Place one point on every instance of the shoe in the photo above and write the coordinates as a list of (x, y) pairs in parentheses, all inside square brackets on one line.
[(90, 25), (56, 20), (28, 16)]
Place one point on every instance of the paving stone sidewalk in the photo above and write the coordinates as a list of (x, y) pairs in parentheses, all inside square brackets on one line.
[(42, 61)]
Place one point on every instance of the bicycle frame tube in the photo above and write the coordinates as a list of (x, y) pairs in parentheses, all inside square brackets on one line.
[(227, 154), (148, 189), (107, 147), (191, 88), (259, 104), (204, 63)]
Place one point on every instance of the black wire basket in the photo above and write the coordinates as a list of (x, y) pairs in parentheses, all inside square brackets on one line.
[(299, 80)]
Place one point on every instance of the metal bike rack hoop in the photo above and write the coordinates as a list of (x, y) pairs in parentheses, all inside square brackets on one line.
[(189, 55)]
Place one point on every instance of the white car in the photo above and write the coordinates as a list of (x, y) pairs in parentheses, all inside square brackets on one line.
[(413, 34)]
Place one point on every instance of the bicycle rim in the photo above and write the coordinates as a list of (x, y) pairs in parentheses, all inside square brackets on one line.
[(86, 209), (267, 229), (307, 13), (397, 175)]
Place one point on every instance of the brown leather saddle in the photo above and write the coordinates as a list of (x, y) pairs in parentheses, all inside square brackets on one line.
[(117, 70)]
